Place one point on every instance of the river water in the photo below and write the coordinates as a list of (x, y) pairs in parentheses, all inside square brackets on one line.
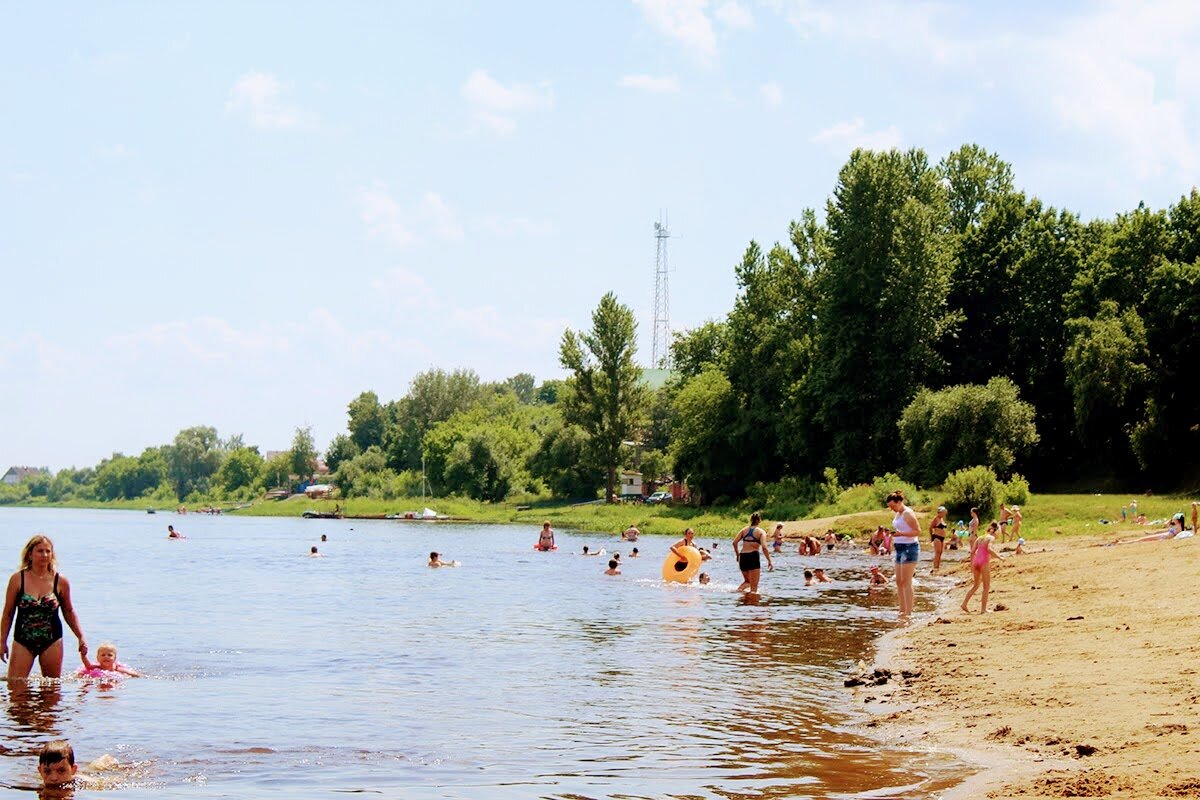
[(517, 675)]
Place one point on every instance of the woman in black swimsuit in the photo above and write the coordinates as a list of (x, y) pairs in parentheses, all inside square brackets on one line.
[(937, 535), (751, 540), (35, 594)]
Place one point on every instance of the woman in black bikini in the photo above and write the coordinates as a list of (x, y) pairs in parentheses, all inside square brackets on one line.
[(35, 594), (751, 540), (937, 535)]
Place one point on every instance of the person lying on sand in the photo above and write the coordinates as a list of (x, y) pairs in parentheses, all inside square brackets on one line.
[(1173, 530)]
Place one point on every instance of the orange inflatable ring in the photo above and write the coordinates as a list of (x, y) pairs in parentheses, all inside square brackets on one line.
[(675, 570)]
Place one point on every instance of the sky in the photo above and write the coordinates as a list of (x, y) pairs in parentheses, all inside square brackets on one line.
[(243, 214)]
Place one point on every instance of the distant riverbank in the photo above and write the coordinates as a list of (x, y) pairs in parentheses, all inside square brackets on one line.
[(1047, 516)]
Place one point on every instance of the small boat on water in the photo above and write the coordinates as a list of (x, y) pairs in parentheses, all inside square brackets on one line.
[(151, 511), (322, 515)]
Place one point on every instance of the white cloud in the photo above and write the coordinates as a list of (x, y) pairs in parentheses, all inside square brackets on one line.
[(440, 218), (383, 215), (685, 21), (650, 83), (256, 95), (494, 103), (403, 288), (852, 133), (772, 94), (734, 16)]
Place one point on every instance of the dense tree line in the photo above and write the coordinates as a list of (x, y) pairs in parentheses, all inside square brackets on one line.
[(933, 320)]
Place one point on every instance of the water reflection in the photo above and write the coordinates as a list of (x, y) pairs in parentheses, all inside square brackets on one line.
[(34, 706)]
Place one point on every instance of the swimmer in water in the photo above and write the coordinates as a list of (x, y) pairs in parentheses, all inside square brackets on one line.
[(588, 552), (808, 577), (688, 540), (633, 553), (435, 560), (106, 661), (704, 579), (819, 575), (777, 540), (56, 766), (312, 553), (631, 533), (324, 538), (546, 538), (877, 577), (612, 568), (172, 533)]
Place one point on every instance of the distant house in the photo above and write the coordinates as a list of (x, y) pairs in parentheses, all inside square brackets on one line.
[(16, 474), (631, 483)]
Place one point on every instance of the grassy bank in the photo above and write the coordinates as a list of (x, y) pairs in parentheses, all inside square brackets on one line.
[(1046, 516)]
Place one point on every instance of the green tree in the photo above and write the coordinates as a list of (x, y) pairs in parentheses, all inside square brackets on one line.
[(365, 475), (433, 397), (524, 386), (303, 455), (695, 349), (563, 461), (962, 426), (605, 395), (1171, 413), (368, 421), (340, 450), (974, 178), (1107, 376), (882, 307), (192, 460), (277, 471), (242, 469), (484, 452), (702, 448)]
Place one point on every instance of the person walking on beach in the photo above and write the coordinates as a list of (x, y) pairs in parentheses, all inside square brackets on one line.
[(1016, 522), (751, 538), (36, 593), (1005, 521), (937, 536), (906, 544), (982, 553)]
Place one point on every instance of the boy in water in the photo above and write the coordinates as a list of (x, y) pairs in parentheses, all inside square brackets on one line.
[(435, 560), (612, 567), (877, 577), (808, 577), (819, 575), (56, 765), (704, 579), (633, 553)]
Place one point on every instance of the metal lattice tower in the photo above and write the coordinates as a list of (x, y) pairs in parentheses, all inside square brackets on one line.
[(660, 350)]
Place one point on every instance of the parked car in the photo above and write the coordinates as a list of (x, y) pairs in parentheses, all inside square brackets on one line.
[(659, 497)]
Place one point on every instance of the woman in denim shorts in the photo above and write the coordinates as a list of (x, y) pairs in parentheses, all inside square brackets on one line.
[(906, 545)]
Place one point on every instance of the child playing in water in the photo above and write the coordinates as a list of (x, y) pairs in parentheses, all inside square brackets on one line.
[(982, 553), (704, 579), (777, 542), (819, 575), (877, 577), (612, 567), (106, 664), (633, 553), (808, 577), (56, 764), (435, 560)]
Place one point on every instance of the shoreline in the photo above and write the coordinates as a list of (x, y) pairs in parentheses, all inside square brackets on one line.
[(1085, 684)]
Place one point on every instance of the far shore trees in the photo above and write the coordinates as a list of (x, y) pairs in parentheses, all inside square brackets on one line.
[(604, 396)]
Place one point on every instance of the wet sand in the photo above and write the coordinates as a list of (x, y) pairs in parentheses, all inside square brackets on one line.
[(1084, 681)]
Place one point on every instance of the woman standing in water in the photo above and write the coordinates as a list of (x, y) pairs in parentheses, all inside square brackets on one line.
[(751, 540), (36, 593), (907, 547), (937, 536)]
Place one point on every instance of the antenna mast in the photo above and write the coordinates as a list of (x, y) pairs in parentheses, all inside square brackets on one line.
[(660, 350)]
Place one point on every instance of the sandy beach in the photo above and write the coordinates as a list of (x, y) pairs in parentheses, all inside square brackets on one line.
[(1084, 681)]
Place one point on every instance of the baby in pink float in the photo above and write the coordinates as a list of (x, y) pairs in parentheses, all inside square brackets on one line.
[(106, 665)]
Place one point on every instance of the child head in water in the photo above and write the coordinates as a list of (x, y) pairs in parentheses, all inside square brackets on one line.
[(612, 567), (704, 579), (633, 553), (106, 656), (56, 763), (808, 577)]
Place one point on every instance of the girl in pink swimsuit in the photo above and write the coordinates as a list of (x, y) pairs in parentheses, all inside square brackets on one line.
[(981, 566)]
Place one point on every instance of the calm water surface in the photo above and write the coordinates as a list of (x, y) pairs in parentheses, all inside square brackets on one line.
[(517, 675)]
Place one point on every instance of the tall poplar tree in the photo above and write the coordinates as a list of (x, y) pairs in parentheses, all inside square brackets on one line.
[(604, 396), (881, 308)]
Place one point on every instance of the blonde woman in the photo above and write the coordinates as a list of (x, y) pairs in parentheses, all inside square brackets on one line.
[(36, 594)]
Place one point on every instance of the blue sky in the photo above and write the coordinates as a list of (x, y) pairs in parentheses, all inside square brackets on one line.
[(244, 214)]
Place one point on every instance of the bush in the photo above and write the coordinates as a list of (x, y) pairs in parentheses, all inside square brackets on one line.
[(974, 486), (958, 426), (787, 498), (881, 487), (1016, 491)]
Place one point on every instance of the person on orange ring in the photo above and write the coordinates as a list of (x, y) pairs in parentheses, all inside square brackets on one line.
[(751, 538), (689, 536), (546, 537)]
